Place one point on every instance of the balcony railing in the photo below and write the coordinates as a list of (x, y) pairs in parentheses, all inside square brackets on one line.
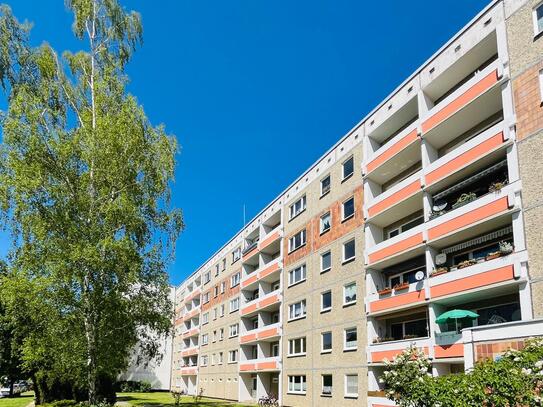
[(263, 364)]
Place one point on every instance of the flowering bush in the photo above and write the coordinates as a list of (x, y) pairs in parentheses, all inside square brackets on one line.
[(513, 380)]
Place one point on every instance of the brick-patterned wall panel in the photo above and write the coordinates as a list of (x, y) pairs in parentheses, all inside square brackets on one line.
[(491, 350), (527, 100)]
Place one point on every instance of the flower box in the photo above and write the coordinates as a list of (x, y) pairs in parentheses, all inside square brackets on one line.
[(439, 271), (400, 287), (492, 256), (385, 291)]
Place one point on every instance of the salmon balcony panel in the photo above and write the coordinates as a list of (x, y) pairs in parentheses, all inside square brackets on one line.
[(269, 240), (250, 253), (395, 198), (248, 338), (465, 98), (455, 350), (396, 248), (269, 270), (380, 356), (249, 309), (250, 280), (268, 301), (396, 301), (392, 150)]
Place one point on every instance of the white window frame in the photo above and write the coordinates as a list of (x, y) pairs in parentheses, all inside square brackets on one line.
[(292, 240), (217, 266), (399, 228), (234, 304), (221, 334), (323, 192), (303, 274), (235, 279), (236, 255), (234, 330), (343, 217), (205, 297), (321, 222), (347, 394), (323, 309), (205, 339), (329, 252), (353, 348), (222, 310), (292, 307), (343, 250), (292, 381), (537, 31), (292, 345), (344, 177), (207, 277), (352, 302), (331, 387), (322, 342), (295, 210), (204, 360), (205, 318), (234, 353)]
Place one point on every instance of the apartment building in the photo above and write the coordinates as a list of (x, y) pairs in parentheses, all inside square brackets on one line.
[(432, 203)]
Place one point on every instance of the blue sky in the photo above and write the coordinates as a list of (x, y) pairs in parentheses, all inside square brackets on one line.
[(256, 91)]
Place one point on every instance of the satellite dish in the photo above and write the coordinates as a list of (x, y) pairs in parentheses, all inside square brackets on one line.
[(439, 205), (441, 259), (419, 275)]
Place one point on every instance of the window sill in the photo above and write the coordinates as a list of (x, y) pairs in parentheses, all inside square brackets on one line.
[(297, 393), (346, 178), (351, 396), (326, 270), (325, 231), (297, 318), (297, 355), (349, 304), (350, 349), (347, 218), (326, 395), (296, 283), (324, 311), (348, 260), (325, 352), (231, 363)]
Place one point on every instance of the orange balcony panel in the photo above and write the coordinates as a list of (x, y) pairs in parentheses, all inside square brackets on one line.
[(269, 270), (267, 365), (248, 338), (397, 301), (250, 253), (471, 282), (464, 159), (449, 351), (389, 354), (269, 240), (396, 248), (247, 367), (249, 309), (447, 111), (268, 333), (468, 218), (392, 151), (395, 198), (249, 281), (268, 301)]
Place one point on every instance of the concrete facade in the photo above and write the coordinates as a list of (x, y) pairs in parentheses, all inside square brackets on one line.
[(432, 202)]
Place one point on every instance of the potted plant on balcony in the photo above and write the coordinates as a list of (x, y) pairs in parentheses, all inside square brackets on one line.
[(439, 270), (493, 255), (466, 263), (401, 286), (409, 337), (496, 186), (384, 291), (383, 339), (505, 248), (464, 199)]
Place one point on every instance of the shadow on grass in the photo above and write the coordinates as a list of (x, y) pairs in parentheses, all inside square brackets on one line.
[(184, 402)]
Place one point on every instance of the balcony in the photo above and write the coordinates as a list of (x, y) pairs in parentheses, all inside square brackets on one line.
[(260, 365), (192, 313), (483, 214), (191, 332), (398, 248), (267, 333), (189, 371), (472, 156), (269, 272), (264, 303), (270, 238), (195, 293), (378, 352), (481, 88), (397, 202), (190, 351), (392, 299)]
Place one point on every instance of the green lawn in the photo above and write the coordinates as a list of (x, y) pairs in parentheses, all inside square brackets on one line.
[(21, 401), (165, 399)]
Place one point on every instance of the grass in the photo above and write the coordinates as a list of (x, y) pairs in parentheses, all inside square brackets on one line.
[(22, 401), (165, 399)]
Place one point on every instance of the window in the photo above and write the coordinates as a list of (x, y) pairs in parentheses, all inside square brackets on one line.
[(296, 347), (215, 313), (409, 329), (212, 359), (234, 304), (297, 275), (325, 185), (205, 339), (297, 310), (223, 287), (351, 385), (538, 19), (220, 358), (407, 276), (349, 294), (348, 208), (326, 261), (215, 335), (350, 339), (223, 264), (348, 168), (232, 356), (296, 241), (204, 360), (274, 349), (297, 207), (234, 330), (326, 342), (235, 279), (215, 291), (205, 318), (326, 384), (406, 226), (205, 298), (326, 222), (348, 251), (216, 270), (207, 277), (541, 84), (221, 334), (222, 310), (236, 255), (297, 384), (326, 301)]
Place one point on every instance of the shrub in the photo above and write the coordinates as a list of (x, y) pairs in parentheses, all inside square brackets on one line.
[(131, 386)]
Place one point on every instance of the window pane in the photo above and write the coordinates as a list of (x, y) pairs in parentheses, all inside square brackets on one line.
[(348, 167), (416, 328), (350, 293), (350, 338), (348, 250), (326, 261), (327, 341), (539, 13), (326, 300), (325, 185), (351, 384), (325, 222), (326, 384), (348, 208)]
